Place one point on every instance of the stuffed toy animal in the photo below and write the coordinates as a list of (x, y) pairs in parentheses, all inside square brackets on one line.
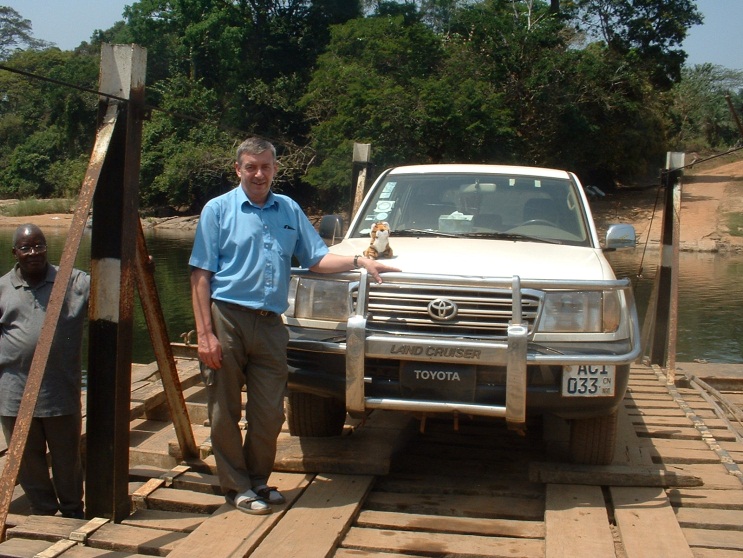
[(379, 247)]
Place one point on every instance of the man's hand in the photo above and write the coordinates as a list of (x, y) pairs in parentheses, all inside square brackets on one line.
[(333, 263), (210, 350), (375, 267)]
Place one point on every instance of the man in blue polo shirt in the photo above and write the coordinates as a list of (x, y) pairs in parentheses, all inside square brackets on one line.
[(240, 273)]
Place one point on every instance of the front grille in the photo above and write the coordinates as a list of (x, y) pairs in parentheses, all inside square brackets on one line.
[(480, 313)]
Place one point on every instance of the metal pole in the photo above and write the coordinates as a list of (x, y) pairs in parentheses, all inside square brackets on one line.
[(665, 312), (113, 250), (673, 305), (361, 163), (153, 314)]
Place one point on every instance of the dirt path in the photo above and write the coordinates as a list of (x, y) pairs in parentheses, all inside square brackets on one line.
[(707, 198), (710, 191)]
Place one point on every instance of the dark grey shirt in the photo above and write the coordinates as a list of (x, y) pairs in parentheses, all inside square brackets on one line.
[(22, 312)]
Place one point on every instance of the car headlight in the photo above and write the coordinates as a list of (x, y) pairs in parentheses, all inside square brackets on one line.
[(319, 299), (580, 312)]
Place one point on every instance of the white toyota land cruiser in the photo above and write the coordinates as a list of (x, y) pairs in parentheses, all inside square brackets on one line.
[(505, 307)]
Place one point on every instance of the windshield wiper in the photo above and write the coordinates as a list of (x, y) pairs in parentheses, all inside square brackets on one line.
[(423, 232), (510, 236)]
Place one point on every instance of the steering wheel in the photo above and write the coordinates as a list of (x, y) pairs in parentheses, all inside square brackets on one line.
[(538, 222)]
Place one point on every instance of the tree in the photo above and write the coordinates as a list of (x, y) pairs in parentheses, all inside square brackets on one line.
[(391, 81), (699, 114), (15, 32), (646, 31), (185, 162), (42, 122)]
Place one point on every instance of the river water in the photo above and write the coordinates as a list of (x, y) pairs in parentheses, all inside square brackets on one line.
[(710, 315)]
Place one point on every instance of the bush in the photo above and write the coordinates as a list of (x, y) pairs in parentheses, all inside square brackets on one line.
[(37, 207)]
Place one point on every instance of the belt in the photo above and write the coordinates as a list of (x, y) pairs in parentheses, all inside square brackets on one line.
[(240, 308)]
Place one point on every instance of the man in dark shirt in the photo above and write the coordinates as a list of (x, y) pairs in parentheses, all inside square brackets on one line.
[(56, 424)]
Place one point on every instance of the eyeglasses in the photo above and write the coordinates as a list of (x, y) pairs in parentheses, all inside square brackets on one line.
[(36, 248)]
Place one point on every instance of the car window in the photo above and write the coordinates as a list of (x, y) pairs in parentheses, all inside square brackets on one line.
[(477, 205)]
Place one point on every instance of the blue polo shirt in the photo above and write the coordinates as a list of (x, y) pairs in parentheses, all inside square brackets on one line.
[(249, 249)]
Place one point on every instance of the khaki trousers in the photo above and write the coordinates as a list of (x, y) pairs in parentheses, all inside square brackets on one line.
[(254, 356)]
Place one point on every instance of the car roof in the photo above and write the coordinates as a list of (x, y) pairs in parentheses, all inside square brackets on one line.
[(481, 169)]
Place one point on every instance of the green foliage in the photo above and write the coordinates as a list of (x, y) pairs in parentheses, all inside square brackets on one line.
[(735, 223), (422, 81), (185, 162), (699, 117), (397, 86), (30, 207), (45, 126), (27, 170), (68, 176), (649, 30)]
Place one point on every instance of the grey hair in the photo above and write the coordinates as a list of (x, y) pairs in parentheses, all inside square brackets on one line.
[(255, 146), (24, 230)]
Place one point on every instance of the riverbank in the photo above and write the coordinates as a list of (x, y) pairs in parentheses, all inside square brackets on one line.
[(711, 193), (711, 207)]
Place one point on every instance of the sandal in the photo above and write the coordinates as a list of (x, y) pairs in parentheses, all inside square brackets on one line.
[(269, 494), (247, 502)]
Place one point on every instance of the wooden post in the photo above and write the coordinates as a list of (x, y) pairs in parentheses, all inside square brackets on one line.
[(361, 164), (663, 344), (735, 114), (113, 249)]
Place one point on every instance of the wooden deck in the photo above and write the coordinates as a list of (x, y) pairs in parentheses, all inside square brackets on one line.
[(388, 489)]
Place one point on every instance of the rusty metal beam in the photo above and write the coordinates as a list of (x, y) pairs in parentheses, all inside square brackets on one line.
[(56, 300), (153, 314), (112, 252), (663, 340)]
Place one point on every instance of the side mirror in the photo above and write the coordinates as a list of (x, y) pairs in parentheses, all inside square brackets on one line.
[(331, 228), (620, 236)]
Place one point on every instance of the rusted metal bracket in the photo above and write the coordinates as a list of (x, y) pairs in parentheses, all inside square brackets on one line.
[(139, 497), (174, 473), (81, 535)]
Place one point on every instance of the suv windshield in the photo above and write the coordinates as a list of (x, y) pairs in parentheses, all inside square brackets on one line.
[(513, 207)]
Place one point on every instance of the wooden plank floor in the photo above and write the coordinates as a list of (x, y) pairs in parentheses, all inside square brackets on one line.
[(452, 489)]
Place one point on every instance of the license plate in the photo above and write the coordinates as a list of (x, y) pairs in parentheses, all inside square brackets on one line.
[(438, 381), (588, 380)]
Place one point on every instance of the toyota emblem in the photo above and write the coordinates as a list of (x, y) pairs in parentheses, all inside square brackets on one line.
[(442, 309)]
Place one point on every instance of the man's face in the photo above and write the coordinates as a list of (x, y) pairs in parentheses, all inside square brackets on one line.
[(30, 252), (256, 174)]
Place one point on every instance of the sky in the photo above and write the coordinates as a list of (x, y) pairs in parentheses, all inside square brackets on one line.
[(67, 23)]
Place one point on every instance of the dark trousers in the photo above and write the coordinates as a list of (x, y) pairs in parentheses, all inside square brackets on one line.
[(63, 492)]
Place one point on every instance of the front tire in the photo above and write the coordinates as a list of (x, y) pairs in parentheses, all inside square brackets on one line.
[(314, 416), (593, 440)]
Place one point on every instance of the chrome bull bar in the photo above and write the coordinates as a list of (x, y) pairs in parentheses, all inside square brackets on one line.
[(512, 353)]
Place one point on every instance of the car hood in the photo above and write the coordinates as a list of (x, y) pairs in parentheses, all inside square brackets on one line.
[(489, 258)]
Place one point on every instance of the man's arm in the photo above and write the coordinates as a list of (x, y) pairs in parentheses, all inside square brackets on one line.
[(333, 263), (210, 350)]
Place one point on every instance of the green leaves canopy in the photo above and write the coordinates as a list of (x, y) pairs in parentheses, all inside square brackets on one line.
[(584, 87)]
